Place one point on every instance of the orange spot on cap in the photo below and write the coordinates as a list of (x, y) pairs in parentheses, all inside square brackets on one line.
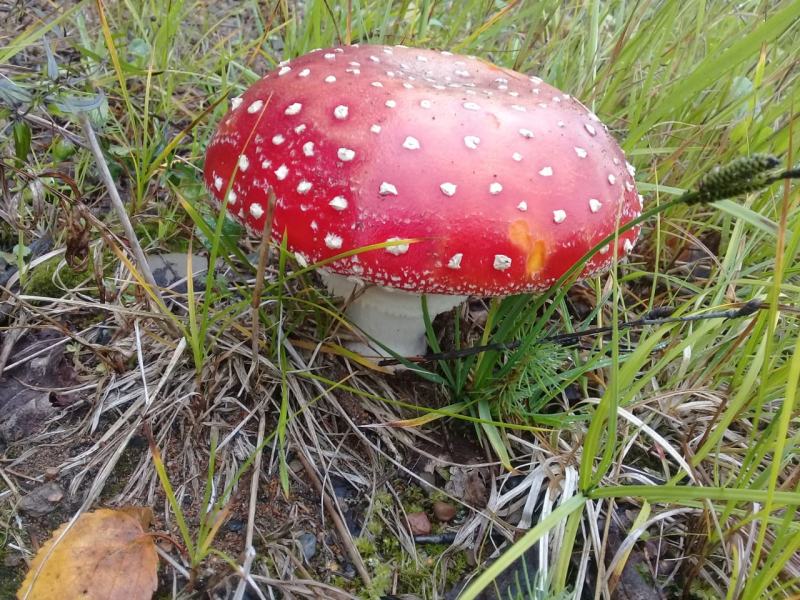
[(534, 248), (536, 258), (519, 233)]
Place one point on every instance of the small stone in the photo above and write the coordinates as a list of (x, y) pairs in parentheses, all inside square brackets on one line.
[(172, 270), (444, 511), (309, 543), (234, 525), (41, 500), (51, 473), (418, 524), (349, 571)]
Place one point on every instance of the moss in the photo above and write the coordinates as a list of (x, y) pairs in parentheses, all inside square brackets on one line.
[(40, 280), (382, 576), (10, 577), (415, 500), (413, 577), (701, 591), (365, 546), (383, 554)]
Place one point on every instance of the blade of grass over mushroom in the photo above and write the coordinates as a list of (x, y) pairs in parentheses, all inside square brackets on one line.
[(230, 249), (605, 418)]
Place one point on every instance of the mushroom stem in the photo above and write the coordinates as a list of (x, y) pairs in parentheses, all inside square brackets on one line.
[(391, 316)]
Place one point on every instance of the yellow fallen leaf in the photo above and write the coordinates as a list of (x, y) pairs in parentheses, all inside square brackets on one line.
[(141, 514), (105, 555)]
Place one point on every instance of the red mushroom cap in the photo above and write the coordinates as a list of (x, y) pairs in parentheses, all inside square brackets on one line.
[(508, 180)]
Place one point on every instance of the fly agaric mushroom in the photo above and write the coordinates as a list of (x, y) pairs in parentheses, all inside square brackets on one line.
[(506, 180)]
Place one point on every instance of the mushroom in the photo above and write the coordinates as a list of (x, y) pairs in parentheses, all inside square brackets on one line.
[(491, 182)]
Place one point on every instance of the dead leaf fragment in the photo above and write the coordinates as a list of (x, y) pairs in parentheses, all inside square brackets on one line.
[(26, 402), (467, 485), (105, 555)]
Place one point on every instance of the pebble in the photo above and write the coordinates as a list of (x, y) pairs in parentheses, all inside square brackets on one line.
[(309, 543), (349, 571), (172, 267), (41, 500), (234, 525), (418, 524), (444, 511)]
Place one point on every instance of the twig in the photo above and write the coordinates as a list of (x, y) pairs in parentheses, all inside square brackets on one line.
[(447, 537), (344, 534), (130, 234)]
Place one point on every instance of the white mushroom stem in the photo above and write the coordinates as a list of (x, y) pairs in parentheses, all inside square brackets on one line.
[(393, 317)]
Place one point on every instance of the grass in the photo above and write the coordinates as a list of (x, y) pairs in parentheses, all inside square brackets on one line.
[(692, 425)]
